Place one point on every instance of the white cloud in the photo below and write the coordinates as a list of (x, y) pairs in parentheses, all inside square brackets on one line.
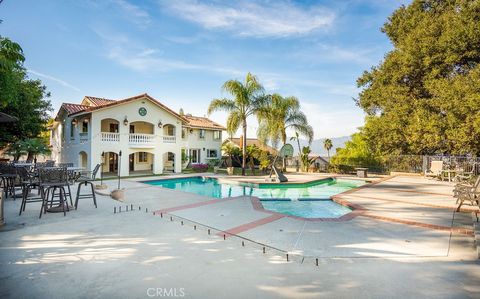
[(246, 18), (138, 57), (332, 120), (322, 52), (133, 12), (52, 78)]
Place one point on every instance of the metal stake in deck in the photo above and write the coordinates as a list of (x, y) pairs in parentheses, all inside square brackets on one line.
[(287, 257), (316, 261), (263, 249)]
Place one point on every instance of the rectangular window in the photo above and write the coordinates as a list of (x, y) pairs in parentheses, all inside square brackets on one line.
[(212, 153), (171, 131), (202, 133), (85, 127), (142, 157), (217, 135), (184, 133), (72, 130)]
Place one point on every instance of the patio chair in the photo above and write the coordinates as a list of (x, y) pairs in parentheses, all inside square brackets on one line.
[(168, 166), (86, 179), (463, 175), (28, 182), (52, 179), (436, 168), (8, 176), (464, 192), (71, 177)]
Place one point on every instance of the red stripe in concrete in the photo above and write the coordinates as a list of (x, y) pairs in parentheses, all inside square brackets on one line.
[(189, 206), (454, 230), (250, 225)]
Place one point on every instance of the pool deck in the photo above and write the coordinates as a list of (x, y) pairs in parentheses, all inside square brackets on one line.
[(405, 240)]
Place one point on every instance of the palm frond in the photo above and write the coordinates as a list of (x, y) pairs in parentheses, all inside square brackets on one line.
[(304, 130), (221, 105), (234, 121)]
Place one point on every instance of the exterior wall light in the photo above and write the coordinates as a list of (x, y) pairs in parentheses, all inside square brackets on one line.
[(160, 124), (125, 121)]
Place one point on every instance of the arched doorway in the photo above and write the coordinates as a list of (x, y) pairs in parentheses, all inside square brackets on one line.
[(141, 163), (110, 163), (169, 162), (83, 160)]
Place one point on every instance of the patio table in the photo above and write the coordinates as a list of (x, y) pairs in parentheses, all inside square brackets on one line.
[(449, 173)]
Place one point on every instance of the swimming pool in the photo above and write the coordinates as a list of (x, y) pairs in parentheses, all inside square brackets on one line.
[(309, 200)]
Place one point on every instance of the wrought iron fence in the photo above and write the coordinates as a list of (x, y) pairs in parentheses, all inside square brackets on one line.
[(395, 163)]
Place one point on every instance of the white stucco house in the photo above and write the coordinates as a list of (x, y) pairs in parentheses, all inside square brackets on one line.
[(137, 134)]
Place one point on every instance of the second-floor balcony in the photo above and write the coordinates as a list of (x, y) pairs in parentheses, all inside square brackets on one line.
[(169, 139), (110, 137), (141, 140)]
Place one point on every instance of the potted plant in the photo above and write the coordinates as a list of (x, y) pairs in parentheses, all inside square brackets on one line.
[(230, 151)]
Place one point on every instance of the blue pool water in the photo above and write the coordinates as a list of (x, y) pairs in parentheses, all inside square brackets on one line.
[(304, 200)]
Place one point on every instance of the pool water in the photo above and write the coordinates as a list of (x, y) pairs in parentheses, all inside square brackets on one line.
[(311, 200)]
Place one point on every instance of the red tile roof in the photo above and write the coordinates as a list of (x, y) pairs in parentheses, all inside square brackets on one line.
[(99, 101), (251, 141), (145, 96), (73, 108), (202, 122)]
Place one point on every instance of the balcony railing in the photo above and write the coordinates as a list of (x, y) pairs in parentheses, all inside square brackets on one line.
[(137, 139), (110, 137), (83, 137), (169, 139)]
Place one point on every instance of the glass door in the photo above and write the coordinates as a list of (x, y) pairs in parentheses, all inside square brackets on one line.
[(195, 155)]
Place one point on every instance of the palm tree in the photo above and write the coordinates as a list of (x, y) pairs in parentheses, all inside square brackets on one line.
[(279, 115), (247, 100), (327, 144)]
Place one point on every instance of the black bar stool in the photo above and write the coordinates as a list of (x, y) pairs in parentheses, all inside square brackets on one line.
[(87, 178), (28, 182)]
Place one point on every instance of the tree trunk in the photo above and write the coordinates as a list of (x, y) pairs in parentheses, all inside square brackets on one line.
[(244, 147), (284, 140)]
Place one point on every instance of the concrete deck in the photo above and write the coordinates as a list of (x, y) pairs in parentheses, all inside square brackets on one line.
[(406, 242)]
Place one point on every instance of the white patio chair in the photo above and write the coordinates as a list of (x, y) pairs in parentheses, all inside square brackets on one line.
[(436, 168)]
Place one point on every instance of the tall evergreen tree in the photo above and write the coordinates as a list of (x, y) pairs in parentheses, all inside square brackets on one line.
[(20, 96), (424, 97)]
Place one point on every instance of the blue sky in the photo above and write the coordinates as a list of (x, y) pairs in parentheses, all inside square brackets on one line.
[(181, 52)]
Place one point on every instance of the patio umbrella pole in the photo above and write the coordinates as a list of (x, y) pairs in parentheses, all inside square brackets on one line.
[(119, 167)]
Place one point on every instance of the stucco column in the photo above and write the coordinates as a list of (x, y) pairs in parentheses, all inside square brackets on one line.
[(178, 160), (123, 163), (158, 163)]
